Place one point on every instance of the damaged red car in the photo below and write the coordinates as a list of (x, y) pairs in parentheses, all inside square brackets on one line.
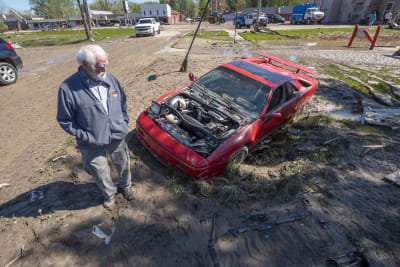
[(218, 118)]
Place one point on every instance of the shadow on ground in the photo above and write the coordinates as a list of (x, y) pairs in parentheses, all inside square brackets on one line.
[(53, 197)]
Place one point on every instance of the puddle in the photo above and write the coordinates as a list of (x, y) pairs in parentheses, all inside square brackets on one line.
[(244, 51), (345, 115)]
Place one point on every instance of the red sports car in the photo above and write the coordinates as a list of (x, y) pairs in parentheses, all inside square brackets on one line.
[(221, 116)]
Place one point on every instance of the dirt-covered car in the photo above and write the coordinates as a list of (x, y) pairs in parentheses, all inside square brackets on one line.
[(218, 118)]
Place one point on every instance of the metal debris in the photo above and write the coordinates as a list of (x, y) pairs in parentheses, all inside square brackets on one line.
[(355, 258), (99, 233), (393, 178), (60, 157)]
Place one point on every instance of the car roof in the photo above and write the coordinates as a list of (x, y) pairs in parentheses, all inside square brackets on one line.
[(270, 74)]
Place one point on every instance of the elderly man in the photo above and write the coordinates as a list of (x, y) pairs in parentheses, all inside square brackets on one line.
[(92, 107)]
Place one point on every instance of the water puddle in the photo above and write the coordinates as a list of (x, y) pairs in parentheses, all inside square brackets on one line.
[(345, 115), (244, 51)]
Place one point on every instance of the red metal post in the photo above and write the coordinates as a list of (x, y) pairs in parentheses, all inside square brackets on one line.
[(368, 35), (353, 35), (378, 30)]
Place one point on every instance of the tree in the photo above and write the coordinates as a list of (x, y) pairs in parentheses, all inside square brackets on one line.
[(86, 19), (3, 27), (52, 9)]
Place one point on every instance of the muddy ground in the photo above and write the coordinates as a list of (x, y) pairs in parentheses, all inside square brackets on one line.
[(320, 166)]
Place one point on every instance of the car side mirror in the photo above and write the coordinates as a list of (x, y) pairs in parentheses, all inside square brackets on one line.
[(276, 115), (191, 76)]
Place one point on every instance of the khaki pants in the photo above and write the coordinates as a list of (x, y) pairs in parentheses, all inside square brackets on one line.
[(95, 163)]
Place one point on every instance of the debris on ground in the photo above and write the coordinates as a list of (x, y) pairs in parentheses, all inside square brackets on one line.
[(36, 195), (382, 117), (211, 248), (4, 185), (393, 178), (355, 258), (20, 255), (63, 157), (100, 234)]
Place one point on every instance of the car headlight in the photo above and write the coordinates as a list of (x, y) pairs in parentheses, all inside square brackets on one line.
[(155, 108)]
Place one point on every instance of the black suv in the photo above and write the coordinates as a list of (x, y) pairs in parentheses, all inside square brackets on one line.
[(10, 63)]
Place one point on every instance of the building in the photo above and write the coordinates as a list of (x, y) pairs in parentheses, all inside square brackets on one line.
[(162, 12), (356, 11)]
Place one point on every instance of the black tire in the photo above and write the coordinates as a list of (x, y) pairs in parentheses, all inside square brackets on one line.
[(8, 73), (159, 31), (239, 156)]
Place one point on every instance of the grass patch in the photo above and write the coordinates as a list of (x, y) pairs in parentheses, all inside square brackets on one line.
[(212, 35), (335, 71), (363, 75), (65, 37)]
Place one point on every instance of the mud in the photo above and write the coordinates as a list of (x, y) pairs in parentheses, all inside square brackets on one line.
[(319, 165)]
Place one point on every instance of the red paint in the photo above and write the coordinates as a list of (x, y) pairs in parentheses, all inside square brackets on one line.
[(114, 92), (170, 152), (353, 35), (368, 35), (9, 46), (378, 30)]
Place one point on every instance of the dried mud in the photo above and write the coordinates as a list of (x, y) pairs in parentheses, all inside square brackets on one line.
[(317, 165)]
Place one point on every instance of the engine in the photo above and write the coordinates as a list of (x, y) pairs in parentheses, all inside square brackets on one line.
[(194, 123)]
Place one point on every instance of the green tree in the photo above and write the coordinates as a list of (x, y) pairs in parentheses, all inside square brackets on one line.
[(3, 27), (52, 9)]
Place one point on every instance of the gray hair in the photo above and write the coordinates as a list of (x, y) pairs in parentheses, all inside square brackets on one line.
[(88, 54)]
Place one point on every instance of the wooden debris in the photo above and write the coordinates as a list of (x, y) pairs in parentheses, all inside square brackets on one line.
[(382, 117)]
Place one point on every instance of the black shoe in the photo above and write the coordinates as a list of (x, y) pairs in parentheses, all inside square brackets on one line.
[(127, 192)]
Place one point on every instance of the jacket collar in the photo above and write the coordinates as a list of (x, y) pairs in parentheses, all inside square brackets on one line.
[(86, 80)]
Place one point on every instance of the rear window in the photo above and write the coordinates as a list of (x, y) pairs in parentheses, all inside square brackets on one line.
[(268, 75)]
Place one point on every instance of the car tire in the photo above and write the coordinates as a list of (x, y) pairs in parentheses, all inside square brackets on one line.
[(8, 73), (159, 31), (239, 156)]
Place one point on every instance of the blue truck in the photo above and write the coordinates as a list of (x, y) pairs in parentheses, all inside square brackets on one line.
[(307, 14), (239, 22)]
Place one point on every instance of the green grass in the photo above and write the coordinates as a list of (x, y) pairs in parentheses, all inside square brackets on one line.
[(363, 75), (212, 35), (65, 37), (309, 34)]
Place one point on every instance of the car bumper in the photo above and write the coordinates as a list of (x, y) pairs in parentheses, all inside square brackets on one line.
[(170, 152), (144, 31), (17, 62)]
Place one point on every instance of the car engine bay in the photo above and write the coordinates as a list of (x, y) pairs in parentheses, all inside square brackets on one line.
[(195, 120)]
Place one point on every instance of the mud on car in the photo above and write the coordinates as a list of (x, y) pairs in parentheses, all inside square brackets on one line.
[(217, 119)]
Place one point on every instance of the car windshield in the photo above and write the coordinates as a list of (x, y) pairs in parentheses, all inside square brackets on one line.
[(145, 21), (313, 9), (236, 89)]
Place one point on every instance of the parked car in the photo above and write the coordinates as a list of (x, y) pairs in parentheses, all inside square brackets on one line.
[(275, 18), (147, 26), (217, 119), (10, 63), (251, 19)]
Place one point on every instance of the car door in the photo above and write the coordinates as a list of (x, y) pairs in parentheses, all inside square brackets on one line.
[(280, 103)]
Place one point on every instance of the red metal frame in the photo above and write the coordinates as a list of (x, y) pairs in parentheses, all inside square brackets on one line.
[(365, 31)]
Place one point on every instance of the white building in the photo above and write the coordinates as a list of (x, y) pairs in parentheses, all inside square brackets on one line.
[(155, 11)]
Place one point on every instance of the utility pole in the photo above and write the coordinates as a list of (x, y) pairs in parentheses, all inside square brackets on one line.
[(256, 25), (86, 20)]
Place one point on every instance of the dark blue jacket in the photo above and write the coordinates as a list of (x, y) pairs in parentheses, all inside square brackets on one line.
[(82, 115)]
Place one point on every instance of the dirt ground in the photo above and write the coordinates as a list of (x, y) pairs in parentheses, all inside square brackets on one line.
[(328, 171)]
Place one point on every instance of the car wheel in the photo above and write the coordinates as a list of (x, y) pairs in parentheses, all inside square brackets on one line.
[(159, 31), (239, 156), (308, 21), (8, 73), (153, 32)]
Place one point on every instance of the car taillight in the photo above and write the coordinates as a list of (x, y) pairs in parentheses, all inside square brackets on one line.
[(9, 46)]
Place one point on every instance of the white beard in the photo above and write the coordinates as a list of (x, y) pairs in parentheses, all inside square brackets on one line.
[(97, 77)]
